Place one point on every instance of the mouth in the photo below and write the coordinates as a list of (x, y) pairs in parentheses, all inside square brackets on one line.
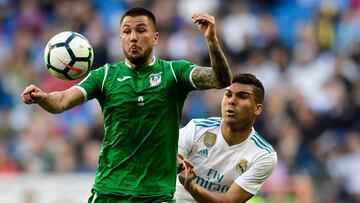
[(230, 113), (134, 49)]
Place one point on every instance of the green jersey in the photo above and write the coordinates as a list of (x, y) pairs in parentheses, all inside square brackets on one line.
[(141, 107)]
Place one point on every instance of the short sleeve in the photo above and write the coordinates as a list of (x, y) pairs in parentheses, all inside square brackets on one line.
[(186, 138), (182, 71), (252, 179), (92, 85)]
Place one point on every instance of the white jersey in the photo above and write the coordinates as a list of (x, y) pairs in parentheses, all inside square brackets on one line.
[(217, 164)]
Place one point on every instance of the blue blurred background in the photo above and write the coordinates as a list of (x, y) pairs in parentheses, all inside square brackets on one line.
[(306, 52)]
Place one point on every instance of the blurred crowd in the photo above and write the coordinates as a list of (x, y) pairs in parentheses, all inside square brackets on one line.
[(306, 53)]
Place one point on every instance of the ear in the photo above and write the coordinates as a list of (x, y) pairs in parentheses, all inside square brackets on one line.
[(156, 38), (258, 109)]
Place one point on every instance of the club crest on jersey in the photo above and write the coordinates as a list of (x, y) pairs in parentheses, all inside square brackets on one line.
[(155, 79), (242, 166), (209, 139)]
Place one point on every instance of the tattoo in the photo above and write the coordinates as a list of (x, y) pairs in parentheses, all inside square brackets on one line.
[(220, 67), (204, 78), (217, 76)]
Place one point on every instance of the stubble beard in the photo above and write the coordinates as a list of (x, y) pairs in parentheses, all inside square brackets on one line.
[(140, 60)]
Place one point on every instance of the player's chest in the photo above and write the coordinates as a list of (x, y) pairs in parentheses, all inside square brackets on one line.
[(140, 81), (218, 162), (139, 88)]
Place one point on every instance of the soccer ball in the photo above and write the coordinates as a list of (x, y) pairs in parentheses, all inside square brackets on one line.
[(68, 55)]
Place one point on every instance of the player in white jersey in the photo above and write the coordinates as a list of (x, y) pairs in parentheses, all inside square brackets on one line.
[(229, 159)]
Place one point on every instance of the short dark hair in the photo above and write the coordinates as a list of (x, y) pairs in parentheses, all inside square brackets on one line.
[(250, 79), (138, 11)]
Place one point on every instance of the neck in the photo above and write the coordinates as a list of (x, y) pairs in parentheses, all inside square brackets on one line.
[(235, 135), (150, 60)]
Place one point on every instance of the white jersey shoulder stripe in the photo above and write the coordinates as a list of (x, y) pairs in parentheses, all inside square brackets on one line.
[(211, 119), (260, 145), (263, 141), (207, 125), (215, 118), (84, 79), (105, 75), (173, 72), (207, 122)]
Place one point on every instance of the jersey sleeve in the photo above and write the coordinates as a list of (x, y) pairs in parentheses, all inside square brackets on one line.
[(252, 179), (186, 138), (182, 71), (92, 85)]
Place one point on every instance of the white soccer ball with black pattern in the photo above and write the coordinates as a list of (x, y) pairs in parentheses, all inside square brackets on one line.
[(68, 55)]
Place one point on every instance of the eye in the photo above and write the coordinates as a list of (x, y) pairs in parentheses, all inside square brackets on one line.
[(228, 93), (242, 95), (141, 30), (126, 31)]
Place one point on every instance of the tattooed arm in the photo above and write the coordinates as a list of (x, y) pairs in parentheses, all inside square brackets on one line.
[(219, 76)]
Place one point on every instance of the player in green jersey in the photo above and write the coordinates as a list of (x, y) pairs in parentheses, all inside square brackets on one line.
[(141, 100)]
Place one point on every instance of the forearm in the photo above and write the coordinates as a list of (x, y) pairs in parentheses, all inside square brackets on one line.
[(55, 102), (52, 102), (219, 63), (202, 195)]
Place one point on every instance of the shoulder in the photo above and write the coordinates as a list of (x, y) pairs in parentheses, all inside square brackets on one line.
[(203, 128), (206, 125), (103, 73), (261, 145), (116, 65), (179, 63), (104, 68), (207, 122), (111, 67), (173, 61)]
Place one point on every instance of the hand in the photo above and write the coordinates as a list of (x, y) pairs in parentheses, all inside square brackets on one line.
[(206, 24), (187, 175), (181, 164), (32, 94)]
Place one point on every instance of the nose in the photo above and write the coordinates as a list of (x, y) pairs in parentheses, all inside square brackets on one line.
[(133, 37), (232, 100)]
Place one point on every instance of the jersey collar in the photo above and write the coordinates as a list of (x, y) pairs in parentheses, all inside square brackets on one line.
[(237, 145)]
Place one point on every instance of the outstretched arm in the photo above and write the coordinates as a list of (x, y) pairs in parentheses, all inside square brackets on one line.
[(235, 194), (219, 76), (54, 102)]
